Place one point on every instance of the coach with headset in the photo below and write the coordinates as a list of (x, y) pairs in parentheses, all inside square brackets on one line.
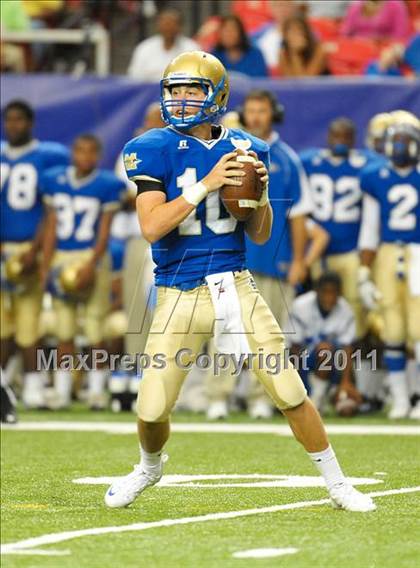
[(278, 265)]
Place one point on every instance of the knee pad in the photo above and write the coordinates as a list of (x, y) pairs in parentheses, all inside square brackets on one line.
[(289, 390)]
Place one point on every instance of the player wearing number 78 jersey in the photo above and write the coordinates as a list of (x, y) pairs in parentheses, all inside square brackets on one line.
[(23, 162), (391, 231), (81, 201)]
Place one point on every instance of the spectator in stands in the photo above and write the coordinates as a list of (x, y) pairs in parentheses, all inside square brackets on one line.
[(397, 60), (13, 19), (377, 20), (254, 14), (235, 51), (269, 38), (302, 55), (334, 9), (39, 10), (152, 55)]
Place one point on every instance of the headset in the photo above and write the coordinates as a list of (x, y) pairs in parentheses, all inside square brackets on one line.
[(278, 109)]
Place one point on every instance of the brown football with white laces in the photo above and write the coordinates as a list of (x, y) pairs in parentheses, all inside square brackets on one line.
[(242, 200)]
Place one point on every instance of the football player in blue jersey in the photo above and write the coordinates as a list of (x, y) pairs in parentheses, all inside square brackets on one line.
[(82, 200), (333, 175), (376, 132), (279, 265), (203, 286), (391, 232), (23, 162)]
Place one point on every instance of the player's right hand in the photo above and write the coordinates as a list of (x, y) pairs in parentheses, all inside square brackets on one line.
[(29, 260), (226, 168), (86, 276), (369, 294)]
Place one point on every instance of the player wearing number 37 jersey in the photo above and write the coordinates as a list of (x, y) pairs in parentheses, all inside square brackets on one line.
[(81, 200), (204, 289)]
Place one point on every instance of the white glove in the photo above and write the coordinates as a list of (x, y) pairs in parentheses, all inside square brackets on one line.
[(369, 294)]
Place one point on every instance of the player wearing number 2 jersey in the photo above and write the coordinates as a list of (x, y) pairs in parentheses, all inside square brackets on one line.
[(391, 232), (81, 201), (203, 288), (23, 162), (334, 182)]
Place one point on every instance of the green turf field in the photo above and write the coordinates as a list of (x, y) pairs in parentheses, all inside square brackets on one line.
[(40, 498)]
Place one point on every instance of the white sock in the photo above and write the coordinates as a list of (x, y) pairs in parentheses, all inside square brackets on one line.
[(328, 466), (96, 381), (366, 379), (398, 386), (63, 382), (319, 390), (413, 379), (8, 372), (150, 460), (417, 358), (33, 388)]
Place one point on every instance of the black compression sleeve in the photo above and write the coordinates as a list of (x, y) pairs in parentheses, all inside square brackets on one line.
[(149, 185)]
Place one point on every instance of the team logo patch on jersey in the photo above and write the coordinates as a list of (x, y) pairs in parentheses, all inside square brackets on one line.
[(183, 145), (131, 161), (241, 144)]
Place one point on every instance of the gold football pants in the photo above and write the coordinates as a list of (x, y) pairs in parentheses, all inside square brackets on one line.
[(183, 321)]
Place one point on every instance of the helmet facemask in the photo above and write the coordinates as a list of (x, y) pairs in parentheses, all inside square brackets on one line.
[(208, 108), (403, 145)]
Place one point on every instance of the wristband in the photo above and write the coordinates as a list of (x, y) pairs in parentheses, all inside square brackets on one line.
[(363, 274), (264, 197), (195, 193)]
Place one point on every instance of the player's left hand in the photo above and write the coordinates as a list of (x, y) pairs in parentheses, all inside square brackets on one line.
[(86, 276), (260, 169), (297, 272), (29, 260), (351, 391)]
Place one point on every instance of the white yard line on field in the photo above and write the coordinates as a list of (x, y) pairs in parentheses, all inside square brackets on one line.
[(211, 428), (264, 552), (54, 538)]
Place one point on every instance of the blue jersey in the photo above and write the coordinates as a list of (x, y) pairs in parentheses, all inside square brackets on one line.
[(398, 194), (209, 240), (337, 196), (79, 204), (289, 197), (20, 199)]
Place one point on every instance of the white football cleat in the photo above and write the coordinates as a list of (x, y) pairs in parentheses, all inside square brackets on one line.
[(348, 498), (399, 409), (217, 410), (126, 489), (33, 398), (260, 409), (415, 411)]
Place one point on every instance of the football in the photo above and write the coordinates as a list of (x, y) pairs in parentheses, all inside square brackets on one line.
[(241, 201)]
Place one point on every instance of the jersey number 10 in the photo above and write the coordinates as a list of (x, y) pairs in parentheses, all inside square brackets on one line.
[(193, 226)]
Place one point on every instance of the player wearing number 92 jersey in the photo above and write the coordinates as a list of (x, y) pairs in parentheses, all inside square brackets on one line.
[(333, 175)]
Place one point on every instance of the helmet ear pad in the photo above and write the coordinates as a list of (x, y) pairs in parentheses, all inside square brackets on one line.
[(388, 148), (277, 108), (413, 149)]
